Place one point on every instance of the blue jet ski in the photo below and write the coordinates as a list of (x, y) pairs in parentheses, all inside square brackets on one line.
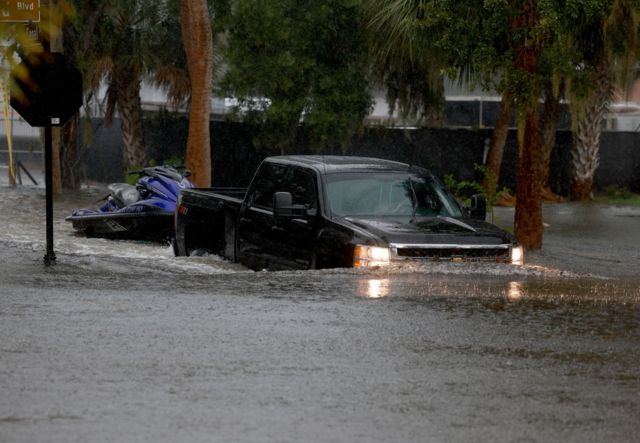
[(141, 212)]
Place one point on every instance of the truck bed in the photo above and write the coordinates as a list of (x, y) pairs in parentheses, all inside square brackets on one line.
[(205, 221), (211, 198)]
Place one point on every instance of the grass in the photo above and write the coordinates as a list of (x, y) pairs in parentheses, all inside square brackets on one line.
[(621, 200), (618, 195)]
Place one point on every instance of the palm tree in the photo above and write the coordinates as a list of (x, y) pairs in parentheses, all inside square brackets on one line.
[(198, 45), (78, 39), (131, 44), (526, 63), (608, 44), (120, 44), (404, 61), (496, 145), (589, 115), (548, 128)]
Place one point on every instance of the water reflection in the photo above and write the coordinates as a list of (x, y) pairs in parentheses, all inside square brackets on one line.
[(374, 288), (515, 291)]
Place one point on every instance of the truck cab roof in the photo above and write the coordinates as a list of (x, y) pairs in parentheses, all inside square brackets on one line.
[(326, 164)]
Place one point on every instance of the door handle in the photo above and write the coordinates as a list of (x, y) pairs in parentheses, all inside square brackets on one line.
[(277, 229), (245, 220)]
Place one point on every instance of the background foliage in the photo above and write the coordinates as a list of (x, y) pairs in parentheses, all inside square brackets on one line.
[(296, 61)]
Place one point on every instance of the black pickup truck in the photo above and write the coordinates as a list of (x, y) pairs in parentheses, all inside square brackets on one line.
[(311, 212)]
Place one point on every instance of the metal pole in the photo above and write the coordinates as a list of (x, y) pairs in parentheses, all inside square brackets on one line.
[(50, 256), (26, 171)]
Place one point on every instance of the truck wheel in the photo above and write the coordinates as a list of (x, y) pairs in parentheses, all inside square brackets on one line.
[(199, 252)]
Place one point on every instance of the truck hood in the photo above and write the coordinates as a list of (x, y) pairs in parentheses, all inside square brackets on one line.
[(433, 230)]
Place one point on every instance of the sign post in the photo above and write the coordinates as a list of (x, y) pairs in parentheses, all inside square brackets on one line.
[(46, 91), (50, 255)]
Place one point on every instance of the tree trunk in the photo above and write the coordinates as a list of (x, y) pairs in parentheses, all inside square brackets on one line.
[(76, 50), (56, 175), (134, 153), (432, 114), (548, 127), (585, 153), (55, 45), (496, 147), (581, 190), (198, 44), (528, 217), (69, 157)]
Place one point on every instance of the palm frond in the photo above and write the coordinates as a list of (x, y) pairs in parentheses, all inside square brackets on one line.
[(175, 82), (99, 69), (623, 42)]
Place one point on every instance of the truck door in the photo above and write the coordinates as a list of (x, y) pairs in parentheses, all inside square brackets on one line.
[(294, 239), (255, 218), (265, 242)]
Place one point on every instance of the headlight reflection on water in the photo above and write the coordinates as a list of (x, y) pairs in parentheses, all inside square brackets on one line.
[(381, 288), (375, 288), (515, 291)]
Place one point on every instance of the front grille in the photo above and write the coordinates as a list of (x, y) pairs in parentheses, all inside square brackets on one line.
[(452, 252)]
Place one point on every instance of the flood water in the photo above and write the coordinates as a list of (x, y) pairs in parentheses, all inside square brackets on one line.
[(121, 341)]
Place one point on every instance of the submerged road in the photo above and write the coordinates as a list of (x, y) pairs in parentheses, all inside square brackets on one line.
[(120, 341)]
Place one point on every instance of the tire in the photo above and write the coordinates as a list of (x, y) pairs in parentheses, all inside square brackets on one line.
[(198, 252)]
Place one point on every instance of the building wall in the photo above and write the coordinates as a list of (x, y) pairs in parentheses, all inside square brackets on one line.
[(235, 153)]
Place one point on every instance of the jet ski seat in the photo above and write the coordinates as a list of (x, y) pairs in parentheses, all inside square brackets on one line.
[(124, 194)]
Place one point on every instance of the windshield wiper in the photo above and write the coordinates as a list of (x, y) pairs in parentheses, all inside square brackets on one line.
[(457, 222)]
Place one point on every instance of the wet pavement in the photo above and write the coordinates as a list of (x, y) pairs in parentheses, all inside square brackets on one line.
[(121, 341)]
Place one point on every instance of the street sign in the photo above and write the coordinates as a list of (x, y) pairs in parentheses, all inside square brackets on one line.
[(46, 89), (19, 11)]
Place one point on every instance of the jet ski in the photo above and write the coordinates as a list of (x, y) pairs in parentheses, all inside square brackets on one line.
[(141, 212)]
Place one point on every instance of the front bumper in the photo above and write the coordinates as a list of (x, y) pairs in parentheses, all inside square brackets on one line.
[(398, 252)]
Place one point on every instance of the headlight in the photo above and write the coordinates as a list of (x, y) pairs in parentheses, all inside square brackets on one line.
[(517, 255), (370, 256)]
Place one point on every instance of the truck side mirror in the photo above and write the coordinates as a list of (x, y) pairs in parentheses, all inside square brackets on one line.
[(478, 208), (282, 204)]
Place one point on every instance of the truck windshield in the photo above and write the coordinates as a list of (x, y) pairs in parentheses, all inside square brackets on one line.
[(389, 194)]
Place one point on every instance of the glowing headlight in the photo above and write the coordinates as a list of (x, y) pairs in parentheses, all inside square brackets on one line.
[(370, 256), (517, 255)]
